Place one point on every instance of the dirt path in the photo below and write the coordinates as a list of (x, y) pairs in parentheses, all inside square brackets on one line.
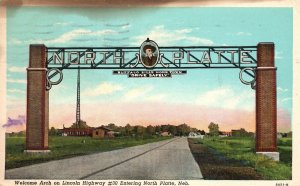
[(217, 167)]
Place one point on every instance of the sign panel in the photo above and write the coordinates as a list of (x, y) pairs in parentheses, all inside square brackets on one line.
[(150, 73)]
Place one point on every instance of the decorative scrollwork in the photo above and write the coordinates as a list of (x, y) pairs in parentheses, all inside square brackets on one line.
[(253, 81), (253, 85), (161, 61), (49, 83), (137, 60)]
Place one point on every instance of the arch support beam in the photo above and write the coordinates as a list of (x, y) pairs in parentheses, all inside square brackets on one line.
[(266, 108), (37, 119)]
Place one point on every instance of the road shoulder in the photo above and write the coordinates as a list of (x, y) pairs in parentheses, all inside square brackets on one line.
[(215, 166)]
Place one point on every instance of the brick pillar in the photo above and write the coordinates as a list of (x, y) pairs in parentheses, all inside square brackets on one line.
[(266, 109), (37, 124)]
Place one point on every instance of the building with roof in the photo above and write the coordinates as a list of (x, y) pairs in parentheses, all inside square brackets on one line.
[(77, 131), (82, 129), (102, 132)]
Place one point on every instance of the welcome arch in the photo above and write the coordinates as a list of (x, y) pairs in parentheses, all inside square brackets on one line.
[(149, 60)]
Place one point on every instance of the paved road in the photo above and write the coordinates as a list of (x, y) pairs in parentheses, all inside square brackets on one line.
[(170, 159)]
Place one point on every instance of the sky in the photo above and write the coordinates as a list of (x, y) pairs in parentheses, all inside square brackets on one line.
[(197, 98)]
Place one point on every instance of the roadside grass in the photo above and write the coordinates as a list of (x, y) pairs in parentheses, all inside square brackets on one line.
[(65, 147), (243, 149)]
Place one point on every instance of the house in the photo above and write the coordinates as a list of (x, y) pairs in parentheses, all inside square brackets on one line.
[(77, 131), (224, 134), (195, 135), (82, 129), (165, 133), (103, 132)]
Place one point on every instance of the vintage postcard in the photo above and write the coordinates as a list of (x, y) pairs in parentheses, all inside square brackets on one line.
[(149, 93)]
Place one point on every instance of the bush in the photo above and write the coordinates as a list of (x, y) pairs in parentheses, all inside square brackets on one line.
[(284, 142)]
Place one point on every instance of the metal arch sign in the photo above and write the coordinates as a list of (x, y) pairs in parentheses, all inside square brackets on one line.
[(149, 56)]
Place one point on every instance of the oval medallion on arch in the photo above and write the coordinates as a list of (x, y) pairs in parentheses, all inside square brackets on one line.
[(149, 53)]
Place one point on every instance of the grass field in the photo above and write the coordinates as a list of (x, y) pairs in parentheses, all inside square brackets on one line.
[(63, 147), (243, 149)]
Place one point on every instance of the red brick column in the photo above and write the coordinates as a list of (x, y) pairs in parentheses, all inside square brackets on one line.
[(266, 109), (37, 124)]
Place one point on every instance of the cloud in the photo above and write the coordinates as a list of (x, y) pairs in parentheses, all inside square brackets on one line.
[(164, 36), (123, 26), (126, 26), (69, 36), (15, 41), (48, 32), (285, 99), (21, 120), (23, 81), (280, 90), (227, 98), (156, 98), (15, 91), (17, 69), (103, 89), (244, 34), (16, 100), (62, 23), (278, 55), (137, 92)]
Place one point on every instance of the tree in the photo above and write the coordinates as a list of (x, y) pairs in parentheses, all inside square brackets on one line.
[(112, 126), (81, 124), (121, 131), (183, 129), (128, 130), (157, 129), (173, 130), (202, 132), (53, 131), (21, 133), (164, 128), (150, 130), (241, 133), (139, 130), (213, 129), (193, 130), (116, 128)]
